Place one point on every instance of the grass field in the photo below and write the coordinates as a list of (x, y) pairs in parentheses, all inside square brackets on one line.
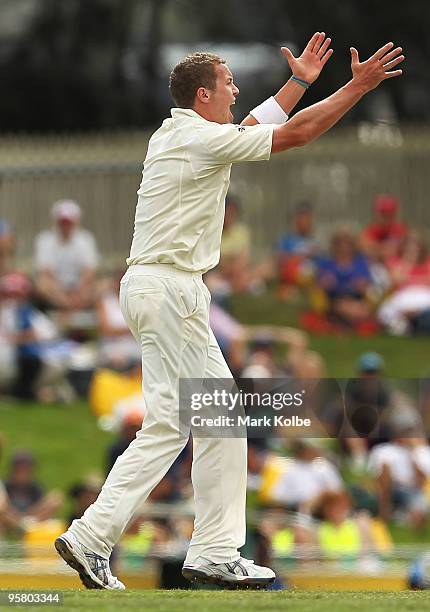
[(216, 601), (66, 440)]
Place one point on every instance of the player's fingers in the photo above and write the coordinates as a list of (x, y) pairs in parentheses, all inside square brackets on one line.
[(394, 62), (382, 51), (326, 57), (324, 47), (318, 42), (393, 73), (389, 56), (287, 52), (354, 55), (312, 42)]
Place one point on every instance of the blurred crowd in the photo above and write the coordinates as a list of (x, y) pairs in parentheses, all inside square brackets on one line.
[(62, 336), (63, 315), (370, 280)]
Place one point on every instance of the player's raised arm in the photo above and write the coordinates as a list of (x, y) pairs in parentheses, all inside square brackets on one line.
[(305, 70), (313, 121)]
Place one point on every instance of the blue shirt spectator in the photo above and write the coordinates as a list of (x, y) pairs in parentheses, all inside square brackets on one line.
[(300, 240), (341, 278)]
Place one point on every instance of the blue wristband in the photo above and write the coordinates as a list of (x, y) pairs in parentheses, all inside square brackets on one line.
[(301, 82)]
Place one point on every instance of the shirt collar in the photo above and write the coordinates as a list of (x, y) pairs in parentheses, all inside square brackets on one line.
[(180, 113)]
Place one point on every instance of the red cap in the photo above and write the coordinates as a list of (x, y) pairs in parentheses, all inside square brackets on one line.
[(386, 204)]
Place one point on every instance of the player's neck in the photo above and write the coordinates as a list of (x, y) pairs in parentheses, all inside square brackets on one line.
[(206, 112)]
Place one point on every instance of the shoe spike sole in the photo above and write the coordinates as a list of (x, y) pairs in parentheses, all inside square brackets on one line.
[(197, 577)]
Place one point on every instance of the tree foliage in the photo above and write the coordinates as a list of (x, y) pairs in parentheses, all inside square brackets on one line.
[(95, 64)]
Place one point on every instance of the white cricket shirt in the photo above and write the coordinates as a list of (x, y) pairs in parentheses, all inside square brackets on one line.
[(186, 175)]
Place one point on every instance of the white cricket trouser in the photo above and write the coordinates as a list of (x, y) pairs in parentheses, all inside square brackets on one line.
[(167, 311)]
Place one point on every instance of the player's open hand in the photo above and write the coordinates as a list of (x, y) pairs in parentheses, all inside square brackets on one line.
[(313, 59), (378, 67)]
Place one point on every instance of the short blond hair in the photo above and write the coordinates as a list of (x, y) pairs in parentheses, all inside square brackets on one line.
[(194, 71)]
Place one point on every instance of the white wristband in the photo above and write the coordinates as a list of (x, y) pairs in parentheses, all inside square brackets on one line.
[(269, 111)]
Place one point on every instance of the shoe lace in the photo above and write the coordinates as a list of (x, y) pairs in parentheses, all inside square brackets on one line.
[(97, 562)]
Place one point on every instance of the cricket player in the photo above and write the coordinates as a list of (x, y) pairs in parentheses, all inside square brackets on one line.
[(178, 225)]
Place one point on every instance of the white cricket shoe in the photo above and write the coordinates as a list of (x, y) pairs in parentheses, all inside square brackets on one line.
[(240, 574), (93, 570)]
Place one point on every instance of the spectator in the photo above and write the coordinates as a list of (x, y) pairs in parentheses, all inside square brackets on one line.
[(117, 347), (8, 518), (368, 399), (5, 512), (297, 250), (256, 458), (66, 260), (27, 497), (82, 495), (31, 350), (402, 468), (261, 362), (367, 412), (345, 279), (235, 273), (410, 266), (231, 336), (343, 534), (235, 338), (236, 237), (130, 423), (407, 309), (307, 476), (381, 238), (7, 245), (300, 362), (19, 335)]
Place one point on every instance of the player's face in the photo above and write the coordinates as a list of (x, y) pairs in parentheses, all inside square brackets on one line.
[(224, 95)]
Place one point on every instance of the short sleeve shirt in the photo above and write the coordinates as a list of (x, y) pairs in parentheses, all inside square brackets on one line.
[(306, 480), (346, 276), (186, 175), (67, 259), (377, 232), (400, 461)]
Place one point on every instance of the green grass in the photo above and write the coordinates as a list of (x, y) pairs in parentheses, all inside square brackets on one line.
[(208, 601), (404, 357), (66, 440)]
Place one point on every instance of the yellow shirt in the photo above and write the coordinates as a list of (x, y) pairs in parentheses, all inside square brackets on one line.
[(236, 240), (344, 540)]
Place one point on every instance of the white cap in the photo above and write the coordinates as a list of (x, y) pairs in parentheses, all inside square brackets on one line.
[(66, 209)]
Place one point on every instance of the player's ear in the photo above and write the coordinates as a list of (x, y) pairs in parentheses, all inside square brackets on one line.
[(203, 95)]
